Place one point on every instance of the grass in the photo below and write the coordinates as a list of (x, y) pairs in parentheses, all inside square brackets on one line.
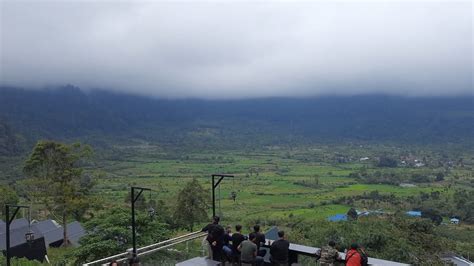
[(268, 184)]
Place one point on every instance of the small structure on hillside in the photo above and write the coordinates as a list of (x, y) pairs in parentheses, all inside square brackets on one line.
[(414, 213), (337, 218), (363, 213), (454, 221), (407, 185)]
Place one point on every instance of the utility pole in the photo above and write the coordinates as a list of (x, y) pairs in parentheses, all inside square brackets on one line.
[(9, 220), (214, 185), (133, 200)]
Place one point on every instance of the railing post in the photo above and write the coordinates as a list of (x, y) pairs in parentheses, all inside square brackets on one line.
[(214, 185), (213, 198), (134, 241), (7, 219), (133, 199)]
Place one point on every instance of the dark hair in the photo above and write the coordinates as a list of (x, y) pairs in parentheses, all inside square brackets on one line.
[(252, 236), (238, 227), (256, 228), (281, 233), (216, 219), (332, 243), (354, 246)]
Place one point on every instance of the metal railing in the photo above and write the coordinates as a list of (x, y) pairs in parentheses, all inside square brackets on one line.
[(294, 248), (149, 249)]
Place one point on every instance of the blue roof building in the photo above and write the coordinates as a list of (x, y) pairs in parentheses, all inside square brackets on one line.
[(414, 213), (337, 218)]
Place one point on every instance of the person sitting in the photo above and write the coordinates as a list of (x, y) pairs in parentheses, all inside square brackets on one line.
[(353, 257), (260, 240), (215, 237), (237, 238), (328, 255), (279, 250), (227, 248), (248, 251)]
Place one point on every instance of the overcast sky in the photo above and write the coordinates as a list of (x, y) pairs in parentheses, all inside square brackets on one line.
[(217, 49)]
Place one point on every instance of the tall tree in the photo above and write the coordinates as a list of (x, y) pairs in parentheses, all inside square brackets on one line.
[(9, 196), (55, 172), (192, 204)]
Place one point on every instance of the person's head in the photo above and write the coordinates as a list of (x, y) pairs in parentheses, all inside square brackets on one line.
[(238, 228), (216, 219), (281, 234), (354, 246), (113, 263), (228, 229), (252, 237), (256, 228), (332, 243)]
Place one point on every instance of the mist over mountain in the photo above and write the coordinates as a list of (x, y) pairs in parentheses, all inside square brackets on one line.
[(102, 118), (240, 49)]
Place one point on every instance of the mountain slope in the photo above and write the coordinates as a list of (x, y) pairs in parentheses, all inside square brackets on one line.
[(69, 113)]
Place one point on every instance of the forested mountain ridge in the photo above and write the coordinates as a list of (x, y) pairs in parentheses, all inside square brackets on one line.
[(9, 142), (69, 113)]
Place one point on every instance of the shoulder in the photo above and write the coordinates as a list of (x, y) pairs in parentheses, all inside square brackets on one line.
[(349, 253), (206, 228), (353, 254)]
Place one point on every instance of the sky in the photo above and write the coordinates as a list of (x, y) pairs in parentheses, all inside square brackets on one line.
[(240, 49)]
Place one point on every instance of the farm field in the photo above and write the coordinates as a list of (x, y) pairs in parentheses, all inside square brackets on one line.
[(269, 184)]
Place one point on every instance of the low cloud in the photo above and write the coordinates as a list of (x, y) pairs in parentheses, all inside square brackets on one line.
[(240, 49)]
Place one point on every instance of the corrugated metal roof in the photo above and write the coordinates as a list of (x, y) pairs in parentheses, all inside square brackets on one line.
[(49, 229), (17, 236)]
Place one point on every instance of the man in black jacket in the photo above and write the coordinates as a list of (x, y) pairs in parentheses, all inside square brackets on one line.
[(215, 237), (237, 238), (260, 240), (279, 250)]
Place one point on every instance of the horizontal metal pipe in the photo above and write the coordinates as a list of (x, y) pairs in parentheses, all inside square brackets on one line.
[(164, 247), (170, 240), (119, 256)]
